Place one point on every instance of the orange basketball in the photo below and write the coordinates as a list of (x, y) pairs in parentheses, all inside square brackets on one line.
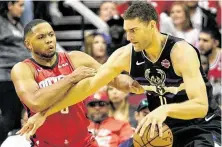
[(145, 141)]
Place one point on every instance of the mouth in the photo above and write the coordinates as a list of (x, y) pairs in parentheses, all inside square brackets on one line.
[(134, 43), (51, 47)]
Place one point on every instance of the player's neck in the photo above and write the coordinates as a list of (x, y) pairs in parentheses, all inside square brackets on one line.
[(45, 62), (154, 50), (213, 55)]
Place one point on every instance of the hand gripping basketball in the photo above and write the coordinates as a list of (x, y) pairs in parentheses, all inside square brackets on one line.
[(145, 141), (153, 119)]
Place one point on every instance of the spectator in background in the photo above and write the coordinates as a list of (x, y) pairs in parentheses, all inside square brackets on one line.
[(12, 51), (107, 10), (179, 23), (117, 33), (108, 13), (141, 111), (17, 140), (200, 17), (95, 46), (205, 63), (208, 45), (107, 130), (120, 107), (28, 13)]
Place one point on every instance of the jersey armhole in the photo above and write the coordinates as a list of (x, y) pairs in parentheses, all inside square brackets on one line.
[(32, 68), (69, 60)]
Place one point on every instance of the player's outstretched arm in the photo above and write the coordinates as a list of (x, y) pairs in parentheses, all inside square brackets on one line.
[(121, 82), (185, 60), (38, 99), (106, 73)]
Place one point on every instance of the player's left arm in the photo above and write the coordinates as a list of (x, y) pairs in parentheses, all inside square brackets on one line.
[(186, 64)]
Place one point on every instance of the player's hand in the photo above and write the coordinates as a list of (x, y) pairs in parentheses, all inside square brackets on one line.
[(155, 119), (32, 125), (126, 84), (82, 72), (136, 88)]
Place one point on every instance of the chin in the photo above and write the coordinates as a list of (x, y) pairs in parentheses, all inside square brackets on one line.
[(137, 50)]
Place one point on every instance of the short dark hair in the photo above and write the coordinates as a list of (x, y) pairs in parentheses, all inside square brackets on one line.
[(212, 32), (31, 24), (142, 10)]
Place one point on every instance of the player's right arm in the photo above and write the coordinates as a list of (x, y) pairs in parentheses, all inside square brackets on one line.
[(32, 96), (117, 62)]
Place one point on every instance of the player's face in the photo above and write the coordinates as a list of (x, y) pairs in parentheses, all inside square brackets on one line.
[(16, 9), (140, 115), (97, 111), (115, 95), (206, 43), (138, 33), (99, 46), (43, 41), (178, 15)]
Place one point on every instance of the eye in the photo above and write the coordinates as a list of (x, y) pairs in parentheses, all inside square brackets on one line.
[(40, 37), (51, 34)]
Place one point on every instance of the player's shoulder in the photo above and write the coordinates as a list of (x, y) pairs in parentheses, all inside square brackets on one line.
[(77, 54), (124, 50), (20, 69), (20, 66), (182, 49)]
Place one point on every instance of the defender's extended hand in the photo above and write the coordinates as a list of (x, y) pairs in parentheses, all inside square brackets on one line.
[(32, 125)]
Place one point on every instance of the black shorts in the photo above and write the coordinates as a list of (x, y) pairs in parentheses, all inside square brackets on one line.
[(202, 134)]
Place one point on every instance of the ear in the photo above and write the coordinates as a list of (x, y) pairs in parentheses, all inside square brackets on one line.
[(216, 42), (136, 115), (28, 45), (152, 24), (10, 5)]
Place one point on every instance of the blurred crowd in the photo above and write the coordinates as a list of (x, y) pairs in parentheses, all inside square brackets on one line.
[(113, 113)]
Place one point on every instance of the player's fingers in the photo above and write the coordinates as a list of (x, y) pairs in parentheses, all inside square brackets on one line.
[(153, 127), (30, 128), (160, 128), (144, 127), (23, 129), (30, 132)]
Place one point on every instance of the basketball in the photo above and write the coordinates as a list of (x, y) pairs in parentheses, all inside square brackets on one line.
[(145, 141)]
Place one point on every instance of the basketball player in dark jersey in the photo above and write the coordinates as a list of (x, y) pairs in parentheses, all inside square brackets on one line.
[(169, 69)]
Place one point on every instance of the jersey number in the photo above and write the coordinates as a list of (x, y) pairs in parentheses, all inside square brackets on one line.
[(65, 111)]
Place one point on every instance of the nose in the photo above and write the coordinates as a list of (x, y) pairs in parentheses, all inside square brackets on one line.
[(48, 40), (128, 37), (97, 107)]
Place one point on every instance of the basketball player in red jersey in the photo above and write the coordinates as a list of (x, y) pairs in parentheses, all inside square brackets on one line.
[(45, 79)]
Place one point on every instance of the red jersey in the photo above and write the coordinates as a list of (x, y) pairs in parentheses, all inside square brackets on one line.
[(111, 132), (69, 126), (215, 70)]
